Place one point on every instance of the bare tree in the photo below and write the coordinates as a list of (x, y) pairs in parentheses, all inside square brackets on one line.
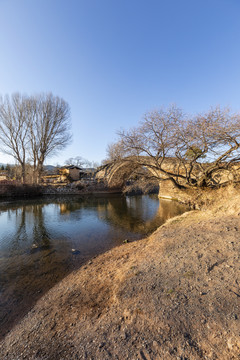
[(210, 144), (188, 150), (33, 128), (78, 161), (115, 151), (14, 128), (49, 130), (95, 164)]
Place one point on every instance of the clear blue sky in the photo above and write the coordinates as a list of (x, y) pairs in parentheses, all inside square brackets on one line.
[(114, 60)]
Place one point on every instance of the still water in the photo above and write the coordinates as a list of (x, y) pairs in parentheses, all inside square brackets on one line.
[(41, 241)]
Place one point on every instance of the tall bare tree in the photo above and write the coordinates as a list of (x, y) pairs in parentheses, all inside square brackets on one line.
[(14, 128), (49, 128), (189, 150), (33, 128)]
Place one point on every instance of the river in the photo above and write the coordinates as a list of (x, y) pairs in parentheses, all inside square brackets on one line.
[(41, 241)]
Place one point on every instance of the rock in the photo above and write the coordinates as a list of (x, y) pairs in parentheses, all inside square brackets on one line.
[(75, 252)]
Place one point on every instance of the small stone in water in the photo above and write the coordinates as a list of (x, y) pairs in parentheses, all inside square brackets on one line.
[(75, 252)]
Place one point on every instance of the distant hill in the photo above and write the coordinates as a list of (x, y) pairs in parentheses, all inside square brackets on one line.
[(5, 164), (49, 167), (45, 166)]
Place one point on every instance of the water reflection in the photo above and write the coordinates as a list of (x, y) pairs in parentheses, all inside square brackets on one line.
[(141, 214), (37, 239), (24, 226)]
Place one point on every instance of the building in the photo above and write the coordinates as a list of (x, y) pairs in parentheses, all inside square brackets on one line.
[(70, 171)]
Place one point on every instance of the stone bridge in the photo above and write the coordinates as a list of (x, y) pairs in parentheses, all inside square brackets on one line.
[(116, 173)]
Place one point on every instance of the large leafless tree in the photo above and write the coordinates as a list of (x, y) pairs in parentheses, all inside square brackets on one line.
[(49, 128), (191, 151), (14, 129), (33, 128)]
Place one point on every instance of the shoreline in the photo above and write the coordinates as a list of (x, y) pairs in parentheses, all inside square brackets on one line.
[(58, 194)]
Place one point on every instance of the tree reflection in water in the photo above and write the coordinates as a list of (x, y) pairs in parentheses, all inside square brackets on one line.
[(41, 237)]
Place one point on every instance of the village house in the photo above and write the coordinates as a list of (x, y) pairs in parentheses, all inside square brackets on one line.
[(3, 175), (70, 171)]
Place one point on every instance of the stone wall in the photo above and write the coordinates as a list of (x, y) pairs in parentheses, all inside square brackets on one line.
[(167, 190)]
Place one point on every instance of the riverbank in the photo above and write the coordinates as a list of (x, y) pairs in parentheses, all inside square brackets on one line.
[(14, 190), (174, 295)]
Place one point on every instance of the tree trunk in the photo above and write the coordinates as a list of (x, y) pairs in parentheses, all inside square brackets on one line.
[(23, 174), (39, 172)]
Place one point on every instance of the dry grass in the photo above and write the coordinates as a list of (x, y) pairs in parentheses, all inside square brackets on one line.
[(225, 199)]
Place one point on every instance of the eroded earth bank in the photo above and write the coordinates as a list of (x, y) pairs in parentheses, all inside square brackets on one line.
[(174, 295)]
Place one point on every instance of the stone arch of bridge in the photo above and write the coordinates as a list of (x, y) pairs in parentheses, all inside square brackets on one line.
[(119, 172), (116, 173)]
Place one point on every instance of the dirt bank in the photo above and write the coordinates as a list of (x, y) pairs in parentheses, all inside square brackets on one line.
[(175, 295)]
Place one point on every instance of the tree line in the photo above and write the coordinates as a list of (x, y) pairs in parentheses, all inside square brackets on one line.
[(200, 148), (33, 128)]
